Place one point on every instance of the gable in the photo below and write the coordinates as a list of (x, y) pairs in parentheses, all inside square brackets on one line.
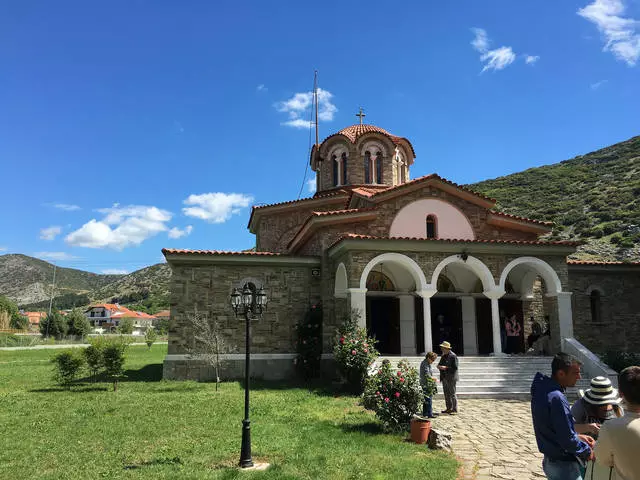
[(451, 222)]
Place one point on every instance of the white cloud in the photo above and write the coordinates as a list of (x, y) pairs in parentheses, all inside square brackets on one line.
[(311, 185), (261, 88), (121, 227), (66, 207), (216, 207), (175, 232), (55, 256), (597, 85), (531, 59), (50, 233), (3, 249), (296, 107), (115, 271), (496, 59), (622, 35)]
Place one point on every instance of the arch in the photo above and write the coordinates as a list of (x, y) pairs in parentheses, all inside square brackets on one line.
[(256, 283), (374, 147), (410, 264), (453, 223), (341, 284), (591, 288), (548, 274), (479, 268)]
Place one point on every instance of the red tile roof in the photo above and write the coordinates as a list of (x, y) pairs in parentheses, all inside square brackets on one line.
[(355, 131), (120, 311), (170, 251), (342, 212), (524, 219), (315, 197), (595, 262), (443, 240)]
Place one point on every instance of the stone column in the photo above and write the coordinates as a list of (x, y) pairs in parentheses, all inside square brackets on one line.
[(407, 325), (469, 326), (565, 318), (359, 304), (494, 295), (426, 305)]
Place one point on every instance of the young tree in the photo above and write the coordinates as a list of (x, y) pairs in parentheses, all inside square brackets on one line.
[(209, 345), (93, 354), (113, 358), (150, 337), (8, 310), (54, 325), (67, 366), (19, 322), (126, 326), (79, 325)]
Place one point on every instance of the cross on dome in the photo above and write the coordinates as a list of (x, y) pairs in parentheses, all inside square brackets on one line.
[(361, 114)]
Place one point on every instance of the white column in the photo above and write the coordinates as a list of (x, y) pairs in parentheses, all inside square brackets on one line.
[(407, 325), (469, 328), (426, 306), (494, 295), (565, 317), (359, 304)]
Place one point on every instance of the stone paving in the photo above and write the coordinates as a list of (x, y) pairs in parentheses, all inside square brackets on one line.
[(493, 439)]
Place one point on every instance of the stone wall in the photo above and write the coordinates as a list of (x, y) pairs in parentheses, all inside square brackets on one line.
[(618, 328), (290, 289)]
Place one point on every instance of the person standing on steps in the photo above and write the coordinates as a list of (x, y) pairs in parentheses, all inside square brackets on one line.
[(448, 367), (565, 452)]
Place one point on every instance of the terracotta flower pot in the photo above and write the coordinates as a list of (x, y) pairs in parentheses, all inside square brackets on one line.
[(420, 430)]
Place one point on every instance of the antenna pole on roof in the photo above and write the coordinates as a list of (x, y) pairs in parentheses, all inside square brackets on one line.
[(315, 99)]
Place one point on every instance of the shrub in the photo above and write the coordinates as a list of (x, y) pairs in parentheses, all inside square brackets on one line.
[(53, 325), (68, 365), (78, 324), (354, 352), (93, 356), (394, 394), (615, 239), (309, 345), (620, 360), (19, 322), (113, 359), (150, 337), (126, 326)]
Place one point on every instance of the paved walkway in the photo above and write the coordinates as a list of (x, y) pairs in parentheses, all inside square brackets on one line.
[(493, 439)]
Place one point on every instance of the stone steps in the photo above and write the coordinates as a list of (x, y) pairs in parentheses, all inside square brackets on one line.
[(504, 377)]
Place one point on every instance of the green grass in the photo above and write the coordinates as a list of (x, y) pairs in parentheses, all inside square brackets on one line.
[(151, 428)]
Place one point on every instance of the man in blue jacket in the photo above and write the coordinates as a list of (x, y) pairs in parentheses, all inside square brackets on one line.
[(565, 452)]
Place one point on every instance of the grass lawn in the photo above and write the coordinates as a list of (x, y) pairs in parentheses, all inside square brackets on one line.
[(151, 428)]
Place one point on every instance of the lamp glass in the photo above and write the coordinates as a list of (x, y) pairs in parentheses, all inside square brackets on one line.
[(247, 297), (235, 298), (261, 297)]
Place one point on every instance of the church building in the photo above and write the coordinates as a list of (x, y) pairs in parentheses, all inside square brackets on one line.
[(418, 261)]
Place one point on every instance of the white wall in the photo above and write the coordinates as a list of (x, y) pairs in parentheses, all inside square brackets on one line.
[(451, 223)]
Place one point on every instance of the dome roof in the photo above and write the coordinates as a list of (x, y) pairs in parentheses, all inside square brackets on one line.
[(353, 132)]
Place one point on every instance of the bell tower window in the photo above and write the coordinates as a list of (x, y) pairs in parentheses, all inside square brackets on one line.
[(379, 167), (432, 231), (343, 159), (336, 171), (367, 167)]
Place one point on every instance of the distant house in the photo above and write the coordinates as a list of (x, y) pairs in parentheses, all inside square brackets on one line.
[(108, 316), (34, 318), (162, 315)]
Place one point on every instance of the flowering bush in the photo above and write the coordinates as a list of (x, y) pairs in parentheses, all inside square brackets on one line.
[(394, 394), (354, 352), (309, 346)]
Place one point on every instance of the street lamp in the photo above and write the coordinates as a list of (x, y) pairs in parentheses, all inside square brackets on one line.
[(248, 304)]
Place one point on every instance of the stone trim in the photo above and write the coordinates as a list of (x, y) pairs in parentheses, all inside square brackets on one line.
[(238, 259), (241, 356), (446, 246)]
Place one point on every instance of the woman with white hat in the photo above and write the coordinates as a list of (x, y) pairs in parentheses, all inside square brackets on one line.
[(595, 406)]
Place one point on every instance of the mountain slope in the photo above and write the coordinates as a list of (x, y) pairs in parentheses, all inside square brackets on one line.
[(593, 197), (26, 279)]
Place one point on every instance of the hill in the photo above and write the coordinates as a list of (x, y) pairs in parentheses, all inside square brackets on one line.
[(26, 279), (593, 197)]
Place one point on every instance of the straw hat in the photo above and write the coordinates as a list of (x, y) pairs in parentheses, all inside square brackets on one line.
[(446, 345), (601, 392)]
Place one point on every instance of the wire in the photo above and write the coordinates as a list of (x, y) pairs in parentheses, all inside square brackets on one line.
[(311, 126)]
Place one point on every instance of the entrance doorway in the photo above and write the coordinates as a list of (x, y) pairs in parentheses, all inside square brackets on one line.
[(446, 323), (383, 323), (484, 326)]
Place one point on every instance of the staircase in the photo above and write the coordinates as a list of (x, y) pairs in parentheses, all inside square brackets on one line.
[(506, 377)]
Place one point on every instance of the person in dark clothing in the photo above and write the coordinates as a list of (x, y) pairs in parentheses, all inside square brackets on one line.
[(565, 452), (448, 367), (536, 332), (426, 374)]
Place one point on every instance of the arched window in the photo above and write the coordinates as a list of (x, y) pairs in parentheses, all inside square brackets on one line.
[(367, 167), (596, 306), (336, 171), (344, 169), (379, 167), (432, 231)]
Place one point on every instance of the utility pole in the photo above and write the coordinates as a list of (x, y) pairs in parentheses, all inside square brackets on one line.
[(53, 288)]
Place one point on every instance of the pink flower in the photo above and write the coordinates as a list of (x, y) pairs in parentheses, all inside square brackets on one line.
[(401, 379), (399, 374), (377, 393), (353, 352), (342, 340), (386, 399), (366, 345), (397, 394), (366, 350)]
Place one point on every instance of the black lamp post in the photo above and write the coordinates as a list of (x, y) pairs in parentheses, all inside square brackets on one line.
[(248, 304)]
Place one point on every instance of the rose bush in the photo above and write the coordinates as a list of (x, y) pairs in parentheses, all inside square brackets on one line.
[(309, 345), (354, 352), (394, 394)]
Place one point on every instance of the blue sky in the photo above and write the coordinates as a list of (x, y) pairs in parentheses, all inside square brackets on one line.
[(129, 126)]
